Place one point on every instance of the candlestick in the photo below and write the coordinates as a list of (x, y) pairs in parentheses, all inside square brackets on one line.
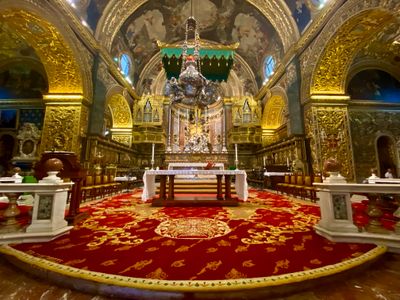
[(152, 156), (236, 156)]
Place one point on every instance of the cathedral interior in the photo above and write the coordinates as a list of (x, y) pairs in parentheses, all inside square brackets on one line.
[(133, 85), (294, 83)]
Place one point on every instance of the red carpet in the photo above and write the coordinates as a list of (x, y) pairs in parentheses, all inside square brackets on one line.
[(267, 240)]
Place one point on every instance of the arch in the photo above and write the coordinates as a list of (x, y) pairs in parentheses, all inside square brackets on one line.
[(54, 46), (119, 108), (326, 63), (274, 113)]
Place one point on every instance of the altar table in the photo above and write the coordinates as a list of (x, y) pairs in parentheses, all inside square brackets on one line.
[(149, 179)]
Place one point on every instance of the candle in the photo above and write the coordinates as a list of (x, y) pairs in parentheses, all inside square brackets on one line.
[(236, 153), (287, 161), (152, 152)]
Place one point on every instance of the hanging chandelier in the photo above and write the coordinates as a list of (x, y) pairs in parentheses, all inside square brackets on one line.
[(192, 87)]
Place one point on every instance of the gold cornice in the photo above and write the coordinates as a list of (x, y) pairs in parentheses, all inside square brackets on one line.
[(21, 102), (372, 104), (204, 44)]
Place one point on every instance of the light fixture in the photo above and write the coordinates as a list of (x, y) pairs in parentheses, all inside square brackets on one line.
[(192, 87)]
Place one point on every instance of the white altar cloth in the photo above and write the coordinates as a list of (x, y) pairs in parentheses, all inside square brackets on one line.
[(149, 180)]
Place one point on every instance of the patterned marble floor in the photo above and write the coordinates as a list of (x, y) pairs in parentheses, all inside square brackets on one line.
[(380, 281)]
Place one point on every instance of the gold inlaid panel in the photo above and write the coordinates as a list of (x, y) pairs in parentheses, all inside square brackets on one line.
[(327, 128), (62, 128)]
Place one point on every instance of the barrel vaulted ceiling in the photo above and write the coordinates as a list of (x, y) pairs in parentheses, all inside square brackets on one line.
[(262, 28)]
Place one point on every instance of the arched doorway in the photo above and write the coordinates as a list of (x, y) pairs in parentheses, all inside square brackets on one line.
[(386, 155)]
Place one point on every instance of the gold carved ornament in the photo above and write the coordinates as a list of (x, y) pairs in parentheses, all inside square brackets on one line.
[(273, 115), (122, 139), (61, 128), (120, 111), (331, 138), (57, 57), (333, 65)]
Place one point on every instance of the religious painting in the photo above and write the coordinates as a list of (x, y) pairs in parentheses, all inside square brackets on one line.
[(221, 21), (374, 85), (19, 81), (8, 118)]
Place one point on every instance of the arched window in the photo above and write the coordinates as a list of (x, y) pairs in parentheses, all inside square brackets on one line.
[(269, 66), (125, 64)]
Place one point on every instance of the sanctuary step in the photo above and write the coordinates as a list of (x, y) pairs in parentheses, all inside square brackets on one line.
[(196, 186)]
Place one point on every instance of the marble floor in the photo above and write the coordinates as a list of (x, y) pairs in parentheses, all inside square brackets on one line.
[(380, 281)]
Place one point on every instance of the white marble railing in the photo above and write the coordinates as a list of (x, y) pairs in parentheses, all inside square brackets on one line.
[(48, 213), (336, 222)]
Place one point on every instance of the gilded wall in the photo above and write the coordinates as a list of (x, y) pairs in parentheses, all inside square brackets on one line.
[(366, 127)]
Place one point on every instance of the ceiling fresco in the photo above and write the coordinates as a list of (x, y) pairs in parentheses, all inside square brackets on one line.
[(300, 12), (220, 21)]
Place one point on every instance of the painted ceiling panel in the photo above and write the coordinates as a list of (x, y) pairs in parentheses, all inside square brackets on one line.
[(220, 21)]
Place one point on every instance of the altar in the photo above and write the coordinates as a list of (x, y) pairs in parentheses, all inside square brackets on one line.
[(193, 166), (149, 178)]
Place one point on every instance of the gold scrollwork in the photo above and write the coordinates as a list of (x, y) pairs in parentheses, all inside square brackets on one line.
[(122, 139), (57, 57), (61, 128), (121, 112), (328, 130), (331, 70)]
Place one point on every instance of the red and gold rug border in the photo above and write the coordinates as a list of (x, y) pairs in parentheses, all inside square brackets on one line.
[(194, 285)]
